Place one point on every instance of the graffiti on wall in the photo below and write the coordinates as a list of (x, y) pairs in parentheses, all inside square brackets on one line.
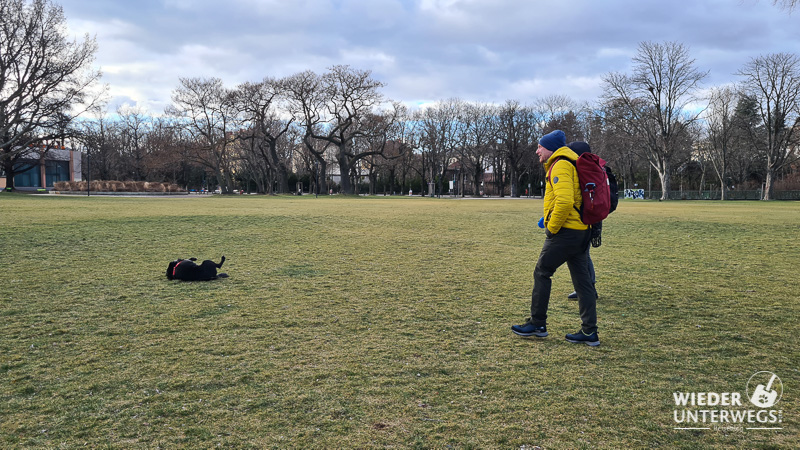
[(634, 193)]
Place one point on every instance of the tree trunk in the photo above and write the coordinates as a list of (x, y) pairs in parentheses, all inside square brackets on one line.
[(228, 180), (514, 184), (8, 167), (392, 175), (769, 185), (702, 180), (722, 188), (269, 182), (283, 179), (664, 175), (344, 172), (281, 169), (502, 183), (322, 178), (221, 181)]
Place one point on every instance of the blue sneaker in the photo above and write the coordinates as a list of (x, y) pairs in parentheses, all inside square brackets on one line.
[(528, 329), (582, 338)]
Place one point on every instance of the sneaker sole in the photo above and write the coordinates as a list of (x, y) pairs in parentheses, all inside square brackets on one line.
[(589, 343), (545, 334)]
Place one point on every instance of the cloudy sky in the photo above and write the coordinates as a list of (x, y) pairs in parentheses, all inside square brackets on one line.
[(423, 50)]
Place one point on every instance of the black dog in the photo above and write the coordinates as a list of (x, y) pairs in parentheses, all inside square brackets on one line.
[(187, 270)]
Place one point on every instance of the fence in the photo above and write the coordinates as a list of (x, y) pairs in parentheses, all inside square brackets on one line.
[(715, 195)]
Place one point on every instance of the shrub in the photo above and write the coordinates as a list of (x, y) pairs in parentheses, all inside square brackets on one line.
[(117, 186), (155, 187)]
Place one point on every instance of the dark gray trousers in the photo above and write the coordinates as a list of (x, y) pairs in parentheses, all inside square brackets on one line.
[(567, 246)]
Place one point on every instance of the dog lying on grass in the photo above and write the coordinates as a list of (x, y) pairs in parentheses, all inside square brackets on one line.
[(187, 270)]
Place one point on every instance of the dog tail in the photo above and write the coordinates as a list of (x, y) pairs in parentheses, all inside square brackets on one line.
[(221, 262)]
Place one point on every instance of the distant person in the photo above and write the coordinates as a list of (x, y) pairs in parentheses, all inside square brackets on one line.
[(566, 241)]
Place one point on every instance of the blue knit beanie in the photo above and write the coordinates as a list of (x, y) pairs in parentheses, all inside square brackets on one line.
[(553, 140), (579, 147)]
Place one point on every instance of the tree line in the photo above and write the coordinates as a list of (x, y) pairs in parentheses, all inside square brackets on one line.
[(658, 126)]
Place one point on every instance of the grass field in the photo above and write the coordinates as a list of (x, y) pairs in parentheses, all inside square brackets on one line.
[(383, 322)]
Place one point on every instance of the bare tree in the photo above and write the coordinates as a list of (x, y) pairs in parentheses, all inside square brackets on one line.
[(45, 79), (746, 164), (570, 123), (260, 102), (476, 139), (350, 96), (519, 127), (721, 129), (167, 159), (560, 112), (389, 166), (135, 125), (656, 98), (614, 138), (100, 140), (383, 140), (209, 112), (553, 107), (773, 81), (786, 5), (411, 160), (438, 139), (306, 102)]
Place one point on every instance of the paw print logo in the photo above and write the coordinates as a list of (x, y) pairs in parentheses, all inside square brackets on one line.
[(764, 389)]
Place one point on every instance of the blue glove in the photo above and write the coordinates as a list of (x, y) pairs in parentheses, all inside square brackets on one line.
[(541, 222)]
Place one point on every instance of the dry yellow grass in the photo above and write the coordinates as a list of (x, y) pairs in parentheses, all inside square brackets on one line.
[(381, 322)]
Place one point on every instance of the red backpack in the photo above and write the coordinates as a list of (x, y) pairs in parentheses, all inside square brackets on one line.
[(595, 188)]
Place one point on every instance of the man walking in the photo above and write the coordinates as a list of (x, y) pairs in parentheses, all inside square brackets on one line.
[(566, 241)]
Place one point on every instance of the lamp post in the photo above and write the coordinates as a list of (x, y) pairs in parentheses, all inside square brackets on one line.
[(528, 178), (88, 173), (316, 178)]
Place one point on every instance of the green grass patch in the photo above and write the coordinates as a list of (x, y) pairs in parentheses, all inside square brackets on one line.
[(382, 322)]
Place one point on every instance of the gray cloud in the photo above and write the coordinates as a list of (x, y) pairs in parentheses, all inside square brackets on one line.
[(424, 50)]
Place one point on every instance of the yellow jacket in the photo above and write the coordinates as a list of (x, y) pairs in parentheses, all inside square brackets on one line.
[(562, 193)]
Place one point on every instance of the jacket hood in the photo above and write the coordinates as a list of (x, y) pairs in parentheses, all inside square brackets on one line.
[(563, 152)]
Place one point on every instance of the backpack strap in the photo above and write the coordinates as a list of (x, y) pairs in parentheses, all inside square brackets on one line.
[(550, 172)]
